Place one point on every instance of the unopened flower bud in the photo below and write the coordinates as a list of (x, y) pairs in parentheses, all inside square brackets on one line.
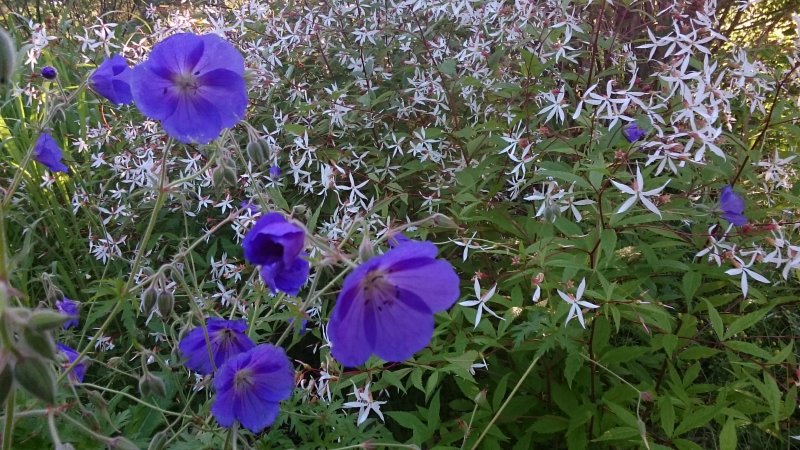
[(8, 57), (165, 303), (36, 377), (120, 443), (258, 151), (49, 73), (149, 297), (151, 385)]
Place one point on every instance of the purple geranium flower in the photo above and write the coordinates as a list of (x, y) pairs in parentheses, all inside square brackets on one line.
[(68, 308), (79, 371), (250, 385), (276, 245), (193, 84), (387, 304), (732, 207), (227, 339), (633, 133), (47, 152), (112, 80), (49, 72)]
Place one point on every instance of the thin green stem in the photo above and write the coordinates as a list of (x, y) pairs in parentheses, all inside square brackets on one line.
[(85, 429), (506, 402), (51, 425), (136, 399), (136, 263), (8, 429)]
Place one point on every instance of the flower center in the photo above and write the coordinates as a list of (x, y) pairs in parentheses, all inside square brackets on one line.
[(243, 380), (187, 83), (378, 291)]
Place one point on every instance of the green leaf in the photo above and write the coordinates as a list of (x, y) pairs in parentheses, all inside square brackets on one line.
[(689, 284), (746, 322), (617, 434), (572, 365), (727, 437), (697, 417), (667, 412), (550, 424), (716, 320)]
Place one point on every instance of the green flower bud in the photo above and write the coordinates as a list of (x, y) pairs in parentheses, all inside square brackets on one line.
[(165, 303), (47, 319), (36, 376), (149, 297), (151, 385), (258, 152), (159, 441), (8, 57), (120, 443), (35, 342)]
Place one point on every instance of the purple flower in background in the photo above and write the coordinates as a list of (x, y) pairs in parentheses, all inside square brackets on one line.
[(250, 385), (227, 339), (274, 171), (249, 205), (387, 304), (79, 371), (633, 133), (732, 206), (193, 84), (68, 308), (112, 80), (47, 152), (276, 244), (49, 72)]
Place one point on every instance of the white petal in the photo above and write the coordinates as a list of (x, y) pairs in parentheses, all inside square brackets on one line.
[(744, 284), (757, 276), (490, 293), (565, 297), (627, 205), (639, 179), (650, 205), (581, 288), (623, 187)]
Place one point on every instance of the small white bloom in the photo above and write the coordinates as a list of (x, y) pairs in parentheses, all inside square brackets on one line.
[(637, 193), (745, 272), (365, 404), (576, 303), (481, 302)]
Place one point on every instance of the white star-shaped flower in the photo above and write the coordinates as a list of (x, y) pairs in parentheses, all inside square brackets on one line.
[(745, 272), (637, 193), (481, 302), (576, 303), (365, 404)]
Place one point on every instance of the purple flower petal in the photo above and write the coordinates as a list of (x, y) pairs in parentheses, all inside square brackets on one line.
[(112, 80), (68, 308), (79, 371), (193, 84), (250, 385), (47, 152), (387, 304), (732, 206), (226, 339)]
